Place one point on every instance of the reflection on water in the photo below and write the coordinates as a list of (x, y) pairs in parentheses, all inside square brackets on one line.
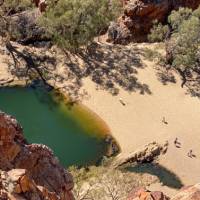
[(75, 135)]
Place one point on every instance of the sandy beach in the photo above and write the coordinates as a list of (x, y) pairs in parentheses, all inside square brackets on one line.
[(140, 121), (162, 113)]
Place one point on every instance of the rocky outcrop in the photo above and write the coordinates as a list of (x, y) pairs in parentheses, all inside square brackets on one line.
[(145, 154), (17, 184), (29, 171), (41, 4), (188, 193), (23, 26), (138, 17), (143, 194)]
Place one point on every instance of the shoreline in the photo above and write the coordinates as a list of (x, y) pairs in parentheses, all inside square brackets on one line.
[(105, 134), (140, 121)]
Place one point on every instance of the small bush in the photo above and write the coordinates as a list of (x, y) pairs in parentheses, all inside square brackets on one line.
[(158, 32), (176, 18), (9, 7)]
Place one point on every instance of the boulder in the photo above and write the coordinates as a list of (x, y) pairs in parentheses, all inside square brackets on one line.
[(30, 169), (139, 15), (188, 193), (145, 154), (143, 194), (23, 27), (16, 184)]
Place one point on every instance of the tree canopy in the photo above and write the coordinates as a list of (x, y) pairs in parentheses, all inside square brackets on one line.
[(183, 47), (73, 23)]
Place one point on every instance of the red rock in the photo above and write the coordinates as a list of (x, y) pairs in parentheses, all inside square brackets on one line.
[(30, 166), (41, 4), (136, 22), (143, 194), (188, 193)]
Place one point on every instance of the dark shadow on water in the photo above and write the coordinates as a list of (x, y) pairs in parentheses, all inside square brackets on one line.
[(49, 96), (167, 177), (44, 94)]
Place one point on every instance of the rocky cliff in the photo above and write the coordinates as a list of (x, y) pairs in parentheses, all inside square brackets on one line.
[(32, 172), (138, 16), (29, 171), (187, 193)]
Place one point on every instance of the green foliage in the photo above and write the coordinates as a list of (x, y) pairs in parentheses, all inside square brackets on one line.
[(177, 17), (186, 44), (106, 183), (73, 23), (14, 6), (185, 39), (158, 32)]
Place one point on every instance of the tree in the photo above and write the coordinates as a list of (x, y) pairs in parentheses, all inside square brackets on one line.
[(74, 23), (70, 24), (104, 182), (183, 50)]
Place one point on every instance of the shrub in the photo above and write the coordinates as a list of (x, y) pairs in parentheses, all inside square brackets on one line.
[(158, 33), (106, 183), (177, 17), (9, 7)]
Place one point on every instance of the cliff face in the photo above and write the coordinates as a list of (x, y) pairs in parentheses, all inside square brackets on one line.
[(138, 16), (29, 171), (187, 193)]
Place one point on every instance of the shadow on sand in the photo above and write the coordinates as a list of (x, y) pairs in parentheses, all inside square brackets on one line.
[(110, 67), (167, 177)]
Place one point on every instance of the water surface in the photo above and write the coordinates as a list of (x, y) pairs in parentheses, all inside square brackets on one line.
[(74, 133)]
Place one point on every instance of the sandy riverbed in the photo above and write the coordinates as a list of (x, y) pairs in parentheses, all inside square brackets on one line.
[(140, 121)]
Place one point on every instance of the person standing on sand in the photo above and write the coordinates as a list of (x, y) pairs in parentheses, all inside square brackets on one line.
[(177, 143), (190, 154), (164, 121), (121, 101)]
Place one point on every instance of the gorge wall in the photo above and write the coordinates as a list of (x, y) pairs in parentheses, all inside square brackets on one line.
[(32, 172), (138, 17), (29, 171)]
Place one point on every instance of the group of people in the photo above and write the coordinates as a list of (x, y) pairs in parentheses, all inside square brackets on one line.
[(190, 152), (178, 144)]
